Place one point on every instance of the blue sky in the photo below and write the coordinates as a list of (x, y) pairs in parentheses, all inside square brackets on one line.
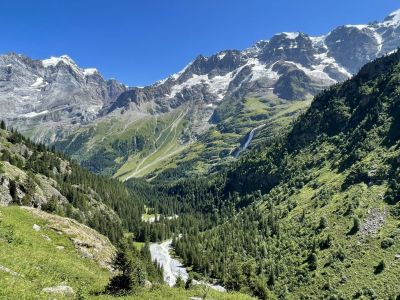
[(141, 41)]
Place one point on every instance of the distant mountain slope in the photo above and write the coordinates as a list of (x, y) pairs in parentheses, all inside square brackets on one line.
[(45, 98), (324, 214), (220, 99)]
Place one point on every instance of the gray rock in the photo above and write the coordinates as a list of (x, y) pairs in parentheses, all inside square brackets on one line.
[(45, 237), (147, 285), (63, 290), (7, 270), (36, 227)]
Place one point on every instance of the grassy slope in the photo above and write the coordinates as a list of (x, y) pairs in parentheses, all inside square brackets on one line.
[(214, 146), (362, 252), (38, 261), (92, 145), (163, 292), (167, 145), (40, 264)]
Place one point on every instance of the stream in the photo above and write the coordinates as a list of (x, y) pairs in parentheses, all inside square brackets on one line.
[(172, 267), (248, 141)]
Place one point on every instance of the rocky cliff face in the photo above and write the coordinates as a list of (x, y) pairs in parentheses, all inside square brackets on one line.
[(51, 93), (276, 64)]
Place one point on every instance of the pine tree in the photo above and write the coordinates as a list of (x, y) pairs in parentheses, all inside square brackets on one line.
[(380, 267), (312, 261), (122, 282), (356, 226), (179, 282)]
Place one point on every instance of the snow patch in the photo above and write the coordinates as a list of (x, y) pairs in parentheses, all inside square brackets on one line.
[(217, 85), (326, 61), (291, 35), (359, 27), (90, 71), (221, 55), (54, 61), (379, 40), (260, 70), (39, 83), (393, 19), (34, 114), (318, 41)]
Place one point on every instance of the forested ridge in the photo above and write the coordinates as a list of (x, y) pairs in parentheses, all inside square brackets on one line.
[(322, 216)]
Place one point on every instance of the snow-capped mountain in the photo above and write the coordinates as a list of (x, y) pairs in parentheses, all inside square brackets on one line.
[(54, 91), (48, 99), (313, 63)]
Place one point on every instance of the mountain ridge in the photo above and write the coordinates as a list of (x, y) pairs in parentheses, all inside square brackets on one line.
[(275, 76)]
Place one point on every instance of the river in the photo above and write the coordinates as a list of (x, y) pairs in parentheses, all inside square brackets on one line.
[(172, 267)]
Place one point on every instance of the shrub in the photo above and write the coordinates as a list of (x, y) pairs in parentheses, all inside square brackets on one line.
[(380, 267), (386, 243), (323, 223), (356, 226), (312, 261)]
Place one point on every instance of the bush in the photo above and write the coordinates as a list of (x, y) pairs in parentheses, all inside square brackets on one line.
[(380, 267), (323, 223), (356, 226), (386, 243), (51, 205), (312, 261)]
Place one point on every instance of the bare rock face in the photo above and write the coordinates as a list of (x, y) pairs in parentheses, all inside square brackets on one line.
[(373, 222), (51, 94), (5, 197)]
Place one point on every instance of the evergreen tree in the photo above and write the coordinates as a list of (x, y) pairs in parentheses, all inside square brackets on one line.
[(312, 261), (356, 226), (121, 283), (179, 282)]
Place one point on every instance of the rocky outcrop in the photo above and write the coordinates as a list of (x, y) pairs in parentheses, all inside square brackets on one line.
[(88, 242)]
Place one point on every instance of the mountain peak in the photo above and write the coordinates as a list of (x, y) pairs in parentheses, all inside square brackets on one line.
[(54, 61), (291, 35), (393, 19), (90, 71)]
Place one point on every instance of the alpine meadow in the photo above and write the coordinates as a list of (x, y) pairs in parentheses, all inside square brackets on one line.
[(269, 172)]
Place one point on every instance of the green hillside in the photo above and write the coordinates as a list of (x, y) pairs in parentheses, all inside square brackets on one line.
[(327, 222), (171, 145), (47, 255), (63, 252)]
